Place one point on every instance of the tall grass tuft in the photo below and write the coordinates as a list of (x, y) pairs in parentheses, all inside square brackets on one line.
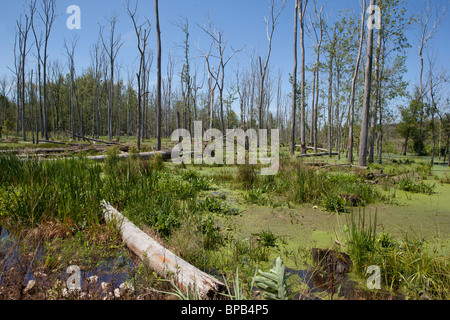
[(362, 238), (301, 184), (67, 191), (405, 264)]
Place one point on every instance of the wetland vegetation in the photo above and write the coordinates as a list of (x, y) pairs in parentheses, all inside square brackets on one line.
[(362, 186), (228, 221)]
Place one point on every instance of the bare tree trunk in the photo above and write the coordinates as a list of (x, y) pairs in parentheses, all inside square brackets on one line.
[(139, 111), (49, 16), (353, 89), (159, 79), (142, 38), (428, 27), (366, 104), (112, 49), (302, 9), (330, 104), (313, 107), (271, 22), (23, 31), (374, 121), (31, 103), (294, 83), (70, 56)]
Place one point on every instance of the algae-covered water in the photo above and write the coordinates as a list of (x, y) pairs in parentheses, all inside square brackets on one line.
[(412, 215)]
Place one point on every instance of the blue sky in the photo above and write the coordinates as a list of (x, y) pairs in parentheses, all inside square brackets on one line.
[(241, 20)]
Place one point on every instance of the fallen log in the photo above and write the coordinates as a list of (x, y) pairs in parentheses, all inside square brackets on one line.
[(161, 260), (59, 142), (328, 165), (75, 149), (39, 150), (312, 148), (95, 140), (165, 155), (317, 154)]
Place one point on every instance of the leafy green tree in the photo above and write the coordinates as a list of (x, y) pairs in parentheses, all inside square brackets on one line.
[(410, 119)]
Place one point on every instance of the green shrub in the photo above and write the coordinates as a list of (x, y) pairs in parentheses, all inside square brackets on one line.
[(256, 196), (407, 184), (197, 182), (214, 205), (334, 203), (266, 238)]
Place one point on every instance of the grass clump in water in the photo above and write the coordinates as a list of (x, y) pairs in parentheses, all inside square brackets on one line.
[(404, 264)]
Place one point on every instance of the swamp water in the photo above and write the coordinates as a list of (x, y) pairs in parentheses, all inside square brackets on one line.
[(19, 267)]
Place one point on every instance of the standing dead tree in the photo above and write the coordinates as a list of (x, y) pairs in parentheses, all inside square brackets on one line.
[(302, 9), (353, 88), (213, 77), (142, 34), (294, 82), (271, 23), (23, 30), (318, 28), (70, 51), (429, 20), (97, 65), (48, 16), (220, 44), (159, 79), (167, 86), (38, 43), (112, 49), (363, 146)]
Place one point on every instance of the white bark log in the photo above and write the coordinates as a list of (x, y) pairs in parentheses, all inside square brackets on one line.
[(162, 261)]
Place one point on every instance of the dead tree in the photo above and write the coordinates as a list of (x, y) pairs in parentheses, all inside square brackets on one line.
[(23, 30), (271, 23), (142, 34), (316, 35), (38, 43), (220, 44), (112, 49), (294, 81), (429, 21), (158, 86), (363, 146), (353, 88), (48, 16), (302, 9), (71, 61)]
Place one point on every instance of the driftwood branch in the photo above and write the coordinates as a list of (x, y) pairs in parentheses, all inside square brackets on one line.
[(165, 263)]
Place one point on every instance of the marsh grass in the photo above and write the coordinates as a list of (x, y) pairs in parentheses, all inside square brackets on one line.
[(406, 264), (299, 184), (67, 191), (361, 238)]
